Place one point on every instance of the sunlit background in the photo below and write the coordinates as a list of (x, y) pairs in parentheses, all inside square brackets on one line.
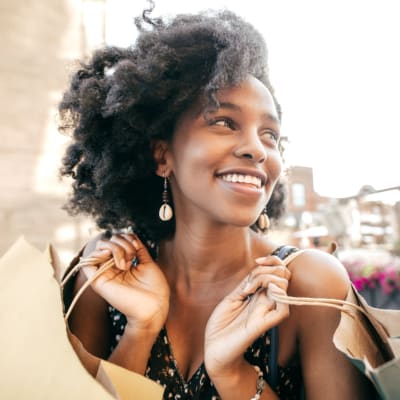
[(335, 68)]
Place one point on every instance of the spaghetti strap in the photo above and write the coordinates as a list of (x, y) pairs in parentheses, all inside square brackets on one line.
[(286, 254)]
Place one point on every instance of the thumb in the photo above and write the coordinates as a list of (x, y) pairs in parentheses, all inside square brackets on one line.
[(142, 253)]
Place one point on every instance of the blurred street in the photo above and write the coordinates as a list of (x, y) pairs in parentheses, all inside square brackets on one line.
[(40, 42)]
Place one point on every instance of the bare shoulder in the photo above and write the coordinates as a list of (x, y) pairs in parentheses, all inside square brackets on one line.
[(319, 274), (316, 273)]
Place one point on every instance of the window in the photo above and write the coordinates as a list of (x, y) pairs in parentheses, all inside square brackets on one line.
[(298, 195)]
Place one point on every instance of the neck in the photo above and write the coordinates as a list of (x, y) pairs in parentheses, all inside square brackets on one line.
[(198, 261)]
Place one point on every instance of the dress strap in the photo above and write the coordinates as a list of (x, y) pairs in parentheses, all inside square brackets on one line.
[(286, 253), (273, 375)]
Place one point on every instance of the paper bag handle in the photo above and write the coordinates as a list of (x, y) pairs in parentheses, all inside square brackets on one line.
[(88, 261), (92, 261), (304, 301), (312, 301), (375, 328)]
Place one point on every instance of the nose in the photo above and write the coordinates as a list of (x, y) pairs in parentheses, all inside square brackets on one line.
[(251, 147)]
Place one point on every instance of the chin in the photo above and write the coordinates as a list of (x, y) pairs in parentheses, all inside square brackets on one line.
[(244, 223)]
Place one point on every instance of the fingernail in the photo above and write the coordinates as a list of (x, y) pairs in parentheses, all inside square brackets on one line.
[(260, 259), (135, 244)]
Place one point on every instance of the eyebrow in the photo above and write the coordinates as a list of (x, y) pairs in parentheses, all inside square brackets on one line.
[(235, 107)]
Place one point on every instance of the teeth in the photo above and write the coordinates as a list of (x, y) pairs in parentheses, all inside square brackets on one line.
[(242, 179)]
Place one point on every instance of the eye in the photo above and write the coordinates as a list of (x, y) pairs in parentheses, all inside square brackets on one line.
[(270, 136), (224, 122)]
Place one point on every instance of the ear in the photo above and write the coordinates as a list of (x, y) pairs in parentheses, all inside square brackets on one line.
[(161, 157)]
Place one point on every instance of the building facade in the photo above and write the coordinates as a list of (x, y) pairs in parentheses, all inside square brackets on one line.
[(370, 218)]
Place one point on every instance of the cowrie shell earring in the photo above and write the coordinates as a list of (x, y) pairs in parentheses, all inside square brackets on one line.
[(263, 221), (165, 213)]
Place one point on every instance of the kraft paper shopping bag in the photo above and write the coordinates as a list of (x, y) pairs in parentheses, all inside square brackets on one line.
[(37, 359)]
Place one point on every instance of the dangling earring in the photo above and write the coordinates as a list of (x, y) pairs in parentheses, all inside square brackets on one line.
[(165, 212), (263, 221)]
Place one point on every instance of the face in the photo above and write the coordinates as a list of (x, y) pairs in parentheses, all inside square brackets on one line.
[(224, 167)]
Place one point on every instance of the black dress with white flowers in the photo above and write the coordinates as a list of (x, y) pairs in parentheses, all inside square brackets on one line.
[(162, 366)]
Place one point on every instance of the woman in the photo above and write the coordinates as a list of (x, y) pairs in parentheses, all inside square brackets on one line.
[(178, 139)]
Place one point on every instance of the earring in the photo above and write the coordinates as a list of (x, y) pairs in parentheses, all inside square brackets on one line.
[(263, 221), (165, 212)]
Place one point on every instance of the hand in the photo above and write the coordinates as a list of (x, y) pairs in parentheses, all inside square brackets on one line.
[(244, 315), (140, 292)]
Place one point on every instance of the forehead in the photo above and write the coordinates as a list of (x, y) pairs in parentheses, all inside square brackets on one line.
[(249, 95)]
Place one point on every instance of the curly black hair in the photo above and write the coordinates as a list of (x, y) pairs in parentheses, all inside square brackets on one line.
[(123, 99)]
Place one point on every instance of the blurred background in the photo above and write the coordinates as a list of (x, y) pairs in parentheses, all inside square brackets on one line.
[(334, 66)]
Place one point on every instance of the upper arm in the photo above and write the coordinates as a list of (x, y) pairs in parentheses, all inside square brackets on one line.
[(89, 320), (327, 373)]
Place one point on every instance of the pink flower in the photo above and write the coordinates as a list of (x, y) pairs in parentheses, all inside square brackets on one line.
[(363, 276), (390, 280), (360, 283)]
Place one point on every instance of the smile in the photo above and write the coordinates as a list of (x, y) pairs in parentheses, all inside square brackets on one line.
[(239, 178)]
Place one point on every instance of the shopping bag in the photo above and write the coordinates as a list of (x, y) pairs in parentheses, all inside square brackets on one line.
[(371, 340), (368, 336), (40, 359)]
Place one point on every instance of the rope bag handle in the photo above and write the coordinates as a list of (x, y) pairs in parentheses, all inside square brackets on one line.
[(84, 262), (314, 301), (340, 305)]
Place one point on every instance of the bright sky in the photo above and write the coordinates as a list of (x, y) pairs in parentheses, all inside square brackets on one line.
[(335, 66)]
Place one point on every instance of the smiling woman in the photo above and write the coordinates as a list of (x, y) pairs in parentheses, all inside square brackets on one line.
[(227, 163), (176, 138)]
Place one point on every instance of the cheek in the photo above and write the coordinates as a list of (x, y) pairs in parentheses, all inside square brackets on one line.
[(275, 166), (195, 154), (192, 162)]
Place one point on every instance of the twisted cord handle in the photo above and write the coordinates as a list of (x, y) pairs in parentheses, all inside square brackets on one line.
[(317, 301), (85, 262), (291, 300)]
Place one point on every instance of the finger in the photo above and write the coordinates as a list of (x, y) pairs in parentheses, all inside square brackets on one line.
[(250, 286), (278, 270), (277, 315), (261, 297), (101, 255), (272, 288), (269, 260), (281, 307), (273, 313), (98, 276), (264, 281), (142, 253), (126, 244), (117, 251)]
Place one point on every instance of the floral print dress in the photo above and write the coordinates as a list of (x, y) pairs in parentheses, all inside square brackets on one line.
[(163, 369)]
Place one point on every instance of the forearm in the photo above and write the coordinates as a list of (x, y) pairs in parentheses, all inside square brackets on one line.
[(241, 384), (133, 350)]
